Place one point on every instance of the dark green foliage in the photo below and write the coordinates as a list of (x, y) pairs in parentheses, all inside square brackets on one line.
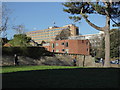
[(32, 52), (43, 42), (114, 44), (3, 41), (75, 7), (92, 8), (75, 18), (116, 25), (20, 40), (82, 9)]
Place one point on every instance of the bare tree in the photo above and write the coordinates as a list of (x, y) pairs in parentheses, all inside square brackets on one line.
[(4, 17), (20, 29), (65, 33)]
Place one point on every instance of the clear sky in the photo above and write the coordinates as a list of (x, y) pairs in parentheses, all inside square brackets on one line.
[(41, 15)]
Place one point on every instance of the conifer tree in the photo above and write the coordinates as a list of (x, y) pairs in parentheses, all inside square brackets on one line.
[(106, 8)]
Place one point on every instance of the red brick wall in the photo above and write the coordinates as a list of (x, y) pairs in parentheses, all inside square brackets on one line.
[(74, 46)]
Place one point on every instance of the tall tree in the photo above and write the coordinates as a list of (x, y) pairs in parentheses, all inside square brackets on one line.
[(106, 8)]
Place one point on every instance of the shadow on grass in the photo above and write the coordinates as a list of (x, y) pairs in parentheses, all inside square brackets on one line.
[(63, 78)]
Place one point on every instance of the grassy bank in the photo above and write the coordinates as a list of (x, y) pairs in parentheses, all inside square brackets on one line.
[(10, 69)]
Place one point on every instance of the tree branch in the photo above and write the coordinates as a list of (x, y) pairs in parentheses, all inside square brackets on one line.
[(99, 12), (4, 27), (93, 25)]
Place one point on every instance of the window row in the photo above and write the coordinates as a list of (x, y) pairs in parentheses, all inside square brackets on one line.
[(63, 43), (40, 31), (48, 33), (63, 50), (43, 36)]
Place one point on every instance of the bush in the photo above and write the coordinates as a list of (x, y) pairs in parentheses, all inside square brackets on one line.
[(32, 52)]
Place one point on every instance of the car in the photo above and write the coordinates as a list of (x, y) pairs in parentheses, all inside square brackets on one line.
[(99, 60), (117, 61)]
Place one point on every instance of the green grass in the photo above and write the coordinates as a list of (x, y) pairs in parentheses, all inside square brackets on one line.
[(9, 69), (59, 77)]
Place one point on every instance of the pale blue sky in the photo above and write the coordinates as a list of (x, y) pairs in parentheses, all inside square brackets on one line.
[(41, 15)]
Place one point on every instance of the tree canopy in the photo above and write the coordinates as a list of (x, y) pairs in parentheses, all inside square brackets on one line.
[(83, 8), (20, 40), (115, 42)]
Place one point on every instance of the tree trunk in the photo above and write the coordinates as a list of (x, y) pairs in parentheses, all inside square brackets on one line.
[(106, 30), (107, 42), (84, 61), (107, 49)]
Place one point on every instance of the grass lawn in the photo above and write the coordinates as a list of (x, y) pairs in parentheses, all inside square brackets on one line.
[(9, 69), (59, 77)]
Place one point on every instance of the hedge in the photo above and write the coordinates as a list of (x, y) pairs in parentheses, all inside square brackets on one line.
[(33, 52)]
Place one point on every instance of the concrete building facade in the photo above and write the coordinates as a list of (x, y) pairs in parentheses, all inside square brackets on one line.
[(95, 39), (50, 34)]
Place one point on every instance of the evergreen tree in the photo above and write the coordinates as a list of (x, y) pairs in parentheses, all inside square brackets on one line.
[(108, 9), (20, 40)]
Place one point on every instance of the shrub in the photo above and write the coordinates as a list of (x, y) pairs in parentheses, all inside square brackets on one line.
[(33, 52)]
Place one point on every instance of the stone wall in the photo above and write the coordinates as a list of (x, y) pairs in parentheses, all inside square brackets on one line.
[(40, 56), (85, 61), (57, 59)]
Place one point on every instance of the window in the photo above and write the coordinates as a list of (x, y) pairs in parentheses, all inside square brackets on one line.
[(77, 31), (57, 50), (62, 43), (56, 44), (66, 44), (87, 49), (67, 50), (63, 50), (82, 41), (86, 43), (53, 46)]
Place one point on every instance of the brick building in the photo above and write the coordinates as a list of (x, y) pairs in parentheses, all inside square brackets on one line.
[(61, 46), (69, 46)]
